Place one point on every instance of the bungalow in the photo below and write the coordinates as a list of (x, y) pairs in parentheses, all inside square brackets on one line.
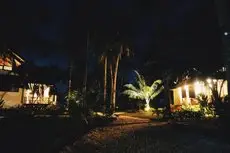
[(14, 91), (186, 93)]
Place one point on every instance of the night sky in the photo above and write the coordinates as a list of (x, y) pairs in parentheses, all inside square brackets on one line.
[(48, 32)]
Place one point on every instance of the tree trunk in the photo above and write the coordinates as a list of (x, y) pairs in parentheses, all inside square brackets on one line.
[(115, 80), (105, 82), (147, 107), (111, 88), (167, 97)]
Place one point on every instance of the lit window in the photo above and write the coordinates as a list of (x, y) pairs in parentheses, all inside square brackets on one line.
[(7, 68)]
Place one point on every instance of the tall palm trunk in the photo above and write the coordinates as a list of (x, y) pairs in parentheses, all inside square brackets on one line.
[(167, 97), (105, 81), (167, 94), (114, 89), (111, 81), (86, 73)]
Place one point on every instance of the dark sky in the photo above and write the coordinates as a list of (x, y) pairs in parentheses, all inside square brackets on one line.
[(167, 30)]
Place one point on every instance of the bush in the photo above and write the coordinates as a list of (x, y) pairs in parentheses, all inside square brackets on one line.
[(75, 109), (30, 110), (207, 109), (160, 112), (186, 115), (2, 102)]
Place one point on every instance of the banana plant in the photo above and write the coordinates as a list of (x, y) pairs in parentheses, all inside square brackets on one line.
[(142, 91)]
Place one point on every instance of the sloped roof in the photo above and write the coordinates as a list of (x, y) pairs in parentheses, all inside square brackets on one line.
[(7, 56)]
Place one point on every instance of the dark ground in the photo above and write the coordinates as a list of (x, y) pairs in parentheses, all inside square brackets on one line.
[(135, 135), (127, 134), (37, 135)]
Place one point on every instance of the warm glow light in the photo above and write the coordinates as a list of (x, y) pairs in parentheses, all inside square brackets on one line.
[(214, 80), (46, 92), (55, 99), (198, 89), (7, 68), (187, 94), (186, 87), (180, 94), (203, 89), (43, 97), (27, 96), (147, 108), (209, 80)]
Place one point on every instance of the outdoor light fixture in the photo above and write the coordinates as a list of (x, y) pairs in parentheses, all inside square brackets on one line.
[(225, 33)]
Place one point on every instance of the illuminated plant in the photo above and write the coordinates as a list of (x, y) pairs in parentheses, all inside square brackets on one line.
[(2, 102), (143, 91)]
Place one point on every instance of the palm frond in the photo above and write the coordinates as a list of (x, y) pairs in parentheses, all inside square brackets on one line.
[(156, 84), (156, 92), (131, 87), (140, 80), (132, 94), (143, 91)]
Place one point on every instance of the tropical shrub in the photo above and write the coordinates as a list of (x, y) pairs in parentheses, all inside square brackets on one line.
[(2, 102), (75, 103), (207, 109), (186, 115), (143, 91)]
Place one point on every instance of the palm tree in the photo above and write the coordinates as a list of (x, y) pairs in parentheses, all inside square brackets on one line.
[(104, 60), (143, 91), (114, 65), (111, 56)]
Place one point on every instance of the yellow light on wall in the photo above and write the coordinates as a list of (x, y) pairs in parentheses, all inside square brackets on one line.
[(209, 80), (27, 96), (187, 94), (180, 94), (197, 87), (46, 92)]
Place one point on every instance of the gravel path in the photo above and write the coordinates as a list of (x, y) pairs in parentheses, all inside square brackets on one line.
[(135, 135)]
